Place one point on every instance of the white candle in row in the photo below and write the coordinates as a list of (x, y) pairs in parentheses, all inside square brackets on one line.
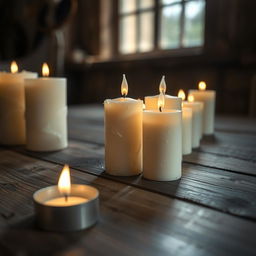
[(12, 106), (123, 134), (208, 98), (46, 113)]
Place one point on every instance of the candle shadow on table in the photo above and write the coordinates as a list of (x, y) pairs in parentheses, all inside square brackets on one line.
[(25, 238)]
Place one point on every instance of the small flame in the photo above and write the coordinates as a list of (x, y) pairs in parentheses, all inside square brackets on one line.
[(202, 86), (45, 70), (124, 86), (161, 102), (182, 94), (144, 106), (14, 67), (190, 98), (64, 184), (162, 85)]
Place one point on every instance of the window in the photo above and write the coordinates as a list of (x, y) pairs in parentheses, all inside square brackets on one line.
[(147, 25)]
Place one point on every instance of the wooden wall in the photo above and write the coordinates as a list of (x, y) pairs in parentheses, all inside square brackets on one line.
[(227, 62)]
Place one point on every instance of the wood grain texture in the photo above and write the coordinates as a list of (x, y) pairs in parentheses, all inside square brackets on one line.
[(229, 192), (133, 221)]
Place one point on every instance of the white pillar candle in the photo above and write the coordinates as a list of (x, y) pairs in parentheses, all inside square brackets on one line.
[(123, 134), (187, 116), (12, 106), (208, 98), (162, 144), (196, 119), (171, 102), (46, 113)]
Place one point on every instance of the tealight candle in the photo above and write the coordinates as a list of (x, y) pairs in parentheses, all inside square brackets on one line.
[(123, 134), (46, 113), (196, 119), (208, 98), (171, 102), (66, 207), (162, 150), (12, 106)]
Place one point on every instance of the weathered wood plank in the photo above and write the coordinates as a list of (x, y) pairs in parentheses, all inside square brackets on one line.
[(133, 221), (224, 191)]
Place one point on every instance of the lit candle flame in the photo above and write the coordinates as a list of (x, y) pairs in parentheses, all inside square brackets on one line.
[(45, 70), (182, 94), (124, 86), (64, 184), (14, 67), (161, 101), (202, 86), (190, 98), (144, 106), (162, 85)]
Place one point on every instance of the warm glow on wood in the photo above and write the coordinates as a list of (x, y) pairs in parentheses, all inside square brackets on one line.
[(45, 70), (124, 86), (182, 94), (64, 184), (162, 86), (202, 86), (14, 67)]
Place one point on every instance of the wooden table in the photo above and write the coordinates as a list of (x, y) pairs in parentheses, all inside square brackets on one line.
[(210, 211)]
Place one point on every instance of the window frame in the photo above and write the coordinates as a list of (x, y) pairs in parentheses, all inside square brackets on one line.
[(157, 50)]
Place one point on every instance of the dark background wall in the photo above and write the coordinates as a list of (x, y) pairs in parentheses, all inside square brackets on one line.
[(227, 62)]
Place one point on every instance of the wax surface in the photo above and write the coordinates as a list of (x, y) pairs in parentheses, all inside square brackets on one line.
[(46, 114), (12, 107), (208, 98), (171, 102), (61, 201), (187, 116), (123, 136), (162, 145), (196, 121)]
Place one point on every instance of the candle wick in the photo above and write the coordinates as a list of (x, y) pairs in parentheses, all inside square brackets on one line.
[(66, 198), (160, 109)]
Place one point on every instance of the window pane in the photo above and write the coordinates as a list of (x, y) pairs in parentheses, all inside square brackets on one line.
[(146, 41), (143, 4), (127, 6), (194, 24), (170, 1), (170, 26), (127, 34)]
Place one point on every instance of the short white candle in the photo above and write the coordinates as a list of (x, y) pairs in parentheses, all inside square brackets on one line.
[(12, 106), (171, 102), (62, 201), (196, 119), (123, 134), (46, 113), (162, 144), (208, 98)]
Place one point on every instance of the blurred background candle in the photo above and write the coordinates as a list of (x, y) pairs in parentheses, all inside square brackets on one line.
[(187, 116), (162, 143), (171, 102), (208, 98), (123, 134), (12, 105), (46, 113), (196, 119)]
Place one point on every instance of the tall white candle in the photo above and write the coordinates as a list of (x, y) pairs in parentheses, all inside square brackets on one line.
[(162, 144), (123, 134), (196, 119), (12, 106), (46, 113), (187, 116), (208, 98), (171, 102)]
